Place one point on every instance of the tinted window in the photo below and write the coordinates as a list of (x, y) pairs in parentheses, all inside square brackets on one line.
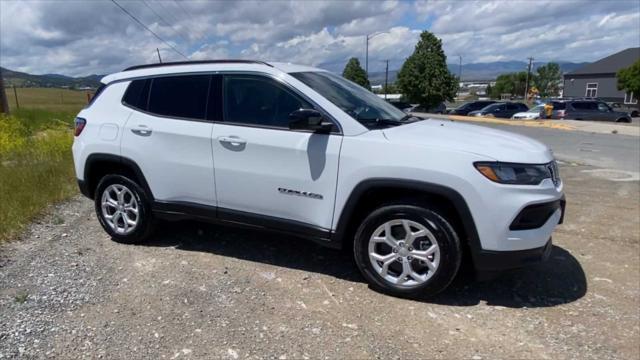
[(603, 107), (360, 103), (580, 105), (259, 101), (137, 94), (494, 107), (180, 96), (513, 107), (558, 105), (97, 93)]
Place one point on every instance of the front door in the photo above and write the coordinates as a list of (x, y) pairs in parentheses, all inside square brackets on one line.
[(263, 168)]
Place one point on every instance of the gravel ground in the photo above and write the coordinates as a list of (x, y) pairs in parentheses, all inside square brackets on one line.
[(201, 291)]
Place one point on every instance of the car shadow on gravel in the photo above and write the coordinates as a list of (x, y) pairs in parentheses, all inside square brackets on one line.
[(557, 281)]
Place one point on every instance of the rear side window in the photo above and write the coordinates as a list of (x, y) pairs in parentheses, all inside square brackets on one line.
[(259, 101), (137, 94), (513, 107), (180, 96), (99, 90)]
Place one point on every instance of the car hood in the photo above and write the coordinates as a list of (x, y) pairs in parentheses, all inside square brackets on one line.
[(486, 142)]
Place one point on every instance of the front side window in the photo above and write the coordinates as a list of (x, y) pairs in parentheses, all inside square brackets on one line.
[(180, 96), (592, 90), (361, 104), (603, 107), (257, 100)]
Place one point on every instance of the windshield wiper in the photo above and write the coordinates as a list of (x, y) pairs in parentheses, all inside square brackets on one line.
[(380, 121)]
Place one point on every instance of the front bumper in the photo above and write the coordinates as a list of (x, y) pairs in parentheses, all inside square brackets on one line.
[(493, 261)]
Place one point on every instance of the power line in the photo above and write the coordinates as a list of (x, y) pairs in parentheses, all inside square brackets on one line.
[(165, 21), (149, 30), (183, 9), (191, 19)]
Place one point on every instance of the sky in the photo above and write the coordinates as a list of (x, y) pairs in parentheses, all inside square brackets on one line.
[(79, 38)]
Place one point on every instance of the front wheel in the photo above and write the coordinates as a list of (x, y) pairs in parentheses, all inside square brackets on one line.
[(123, 209), (407, 251)]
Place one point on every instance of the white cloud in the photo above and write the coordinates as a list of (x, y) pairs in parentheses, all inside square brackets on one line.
[(79, 38)]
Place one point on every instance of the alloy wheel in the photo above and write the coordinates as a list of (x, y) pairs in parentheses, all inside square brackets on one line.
[(404, 252), (120, 209)]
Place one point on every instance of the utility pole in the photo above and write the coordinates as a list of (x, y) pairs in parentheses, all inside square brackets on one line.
[(366, 55), (526, 86), (4, 105), (386, 79), (460, 69), (159, 58)]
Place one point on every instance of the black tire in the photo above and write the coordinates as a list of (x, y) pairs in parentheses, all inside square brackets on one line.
[(445, 235), (145, 222), (623, 120)]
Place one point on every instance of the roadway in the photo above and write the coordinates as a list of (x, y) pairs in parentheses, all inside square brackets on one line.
[(602, 145)]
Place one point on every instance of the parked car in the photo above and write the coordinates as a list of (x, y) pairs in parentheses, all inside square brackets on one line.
[(402, 105), (466, 108), (632, 110), (305, 152), (593, 110), (536, 112), (500, 110), (438, 109)]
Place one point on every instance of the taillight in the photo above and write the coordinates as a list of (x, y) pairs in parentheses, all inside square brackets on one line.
[(79, 125), (561, 114)]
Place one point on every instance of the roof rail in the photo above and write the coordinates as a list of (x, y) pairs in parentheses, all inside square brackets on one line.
[(195, 62)]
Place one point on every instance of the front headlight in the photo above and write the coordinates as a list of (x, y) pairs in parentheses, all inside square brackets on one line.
[(518, 174)]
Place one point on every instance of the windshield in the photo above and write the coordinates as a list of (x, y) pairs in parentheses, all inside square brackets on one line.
[(358, 102), (536, 109), (492, 107)]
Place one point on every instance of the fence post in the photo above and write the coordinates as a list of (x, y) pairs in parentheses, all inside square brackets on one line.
[(4, 106), (15, 93)]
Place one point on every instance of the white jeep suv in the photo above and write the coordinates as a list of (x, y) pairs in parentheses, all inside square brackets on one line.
[(302, 151)]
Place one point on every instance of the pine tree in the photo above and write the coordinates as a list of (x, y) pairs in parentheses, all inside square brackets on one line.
[(424, 77), (354, 72)]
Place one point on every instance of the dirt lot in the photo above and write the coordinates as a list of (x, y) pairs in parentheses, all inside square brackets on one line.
[(198, 291)]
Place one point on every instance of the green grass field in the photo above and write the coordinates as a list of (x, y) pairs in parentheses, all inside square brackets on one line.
[(36, 167)]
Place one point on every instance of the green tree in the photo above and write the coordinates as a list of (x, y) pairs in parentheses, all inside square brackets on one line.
[(424, 77), (629, 79), (511, 83), (547, 79), (354, 72)]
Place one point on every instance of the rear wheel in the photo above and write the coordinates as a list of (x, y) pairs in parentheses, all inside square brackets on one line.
[(123, 209), (625, 120), (407, 251)]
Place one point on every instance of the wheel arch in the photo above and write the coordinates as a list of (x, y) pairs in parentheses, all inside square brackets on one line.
[(98, 165), (374, 192)]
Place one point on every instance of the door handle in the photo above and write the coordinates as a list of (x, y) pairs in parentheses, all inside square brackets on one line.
[(233, 140), (142, 130)]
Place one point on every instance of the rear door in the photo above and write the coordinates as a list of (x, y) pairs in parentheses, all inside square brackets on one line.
[(265, 171), (169, 138)]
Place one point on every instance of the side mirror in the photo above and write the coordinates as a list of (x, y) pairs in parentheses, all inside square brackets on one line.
[(309, 119)]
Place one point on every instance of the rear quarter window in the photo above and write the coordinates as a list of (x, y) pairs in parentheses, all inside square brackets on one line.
[(137, 94), (99, 91)]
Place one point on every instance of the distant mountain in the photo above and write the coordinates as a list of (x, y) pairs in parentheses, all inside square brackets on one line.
[(21, 79), (482, 71)]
